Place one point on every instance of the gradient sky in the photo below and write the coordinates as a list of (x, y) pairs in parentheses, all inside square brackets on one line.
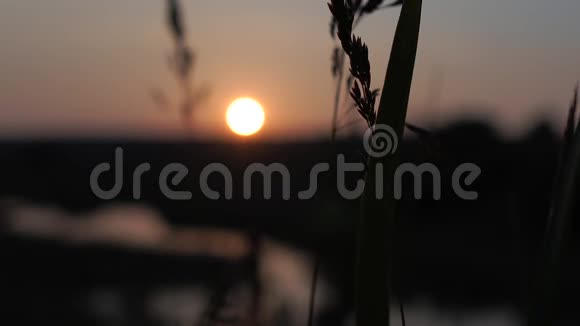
[(88, 67)]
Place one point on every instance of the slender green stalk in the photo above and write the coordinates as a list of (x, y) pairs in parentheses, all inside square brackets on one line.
[(376, 225)]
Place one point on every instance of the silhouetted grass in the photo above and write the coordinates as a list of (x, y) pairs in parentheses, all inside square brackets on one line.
[(542, 310), (376, 224), (358, 10), (182, 62), (345, 16)]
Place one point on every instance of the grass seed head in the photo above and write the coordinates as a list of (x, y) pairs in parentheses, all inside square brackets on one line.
[(358, 53)]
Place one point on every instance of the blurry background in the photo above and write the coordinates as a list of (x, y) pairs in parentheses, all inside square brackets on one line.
[(77, 79)]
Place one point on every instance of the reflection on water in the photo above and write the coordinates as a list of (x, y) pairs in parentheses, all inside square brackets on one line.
[(427, 314), (123, 225), (277, 294)]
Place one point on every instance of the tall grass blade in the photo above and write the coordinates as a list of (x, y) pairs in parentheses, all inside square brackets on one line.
[(375, 230), (570, 125), (543, 303)]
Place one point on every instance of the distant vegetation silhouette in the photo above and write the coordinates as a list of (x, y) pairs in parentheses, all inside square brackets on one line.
[(182, 63)]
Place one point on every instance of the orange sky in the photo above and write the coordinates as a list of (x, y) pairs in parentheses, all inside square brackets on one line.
[(87, 68)]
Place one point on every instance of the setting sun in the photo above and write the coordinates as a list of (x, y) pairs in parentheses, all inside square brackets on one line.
[(245, 116)]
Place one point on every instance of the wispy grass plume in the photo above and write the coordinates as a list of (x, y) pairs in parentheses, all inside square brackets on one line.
[(346, 15)]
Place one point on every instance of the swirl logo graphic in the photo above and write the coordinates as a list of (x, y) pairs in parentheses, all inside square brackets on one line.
[(380, 140)]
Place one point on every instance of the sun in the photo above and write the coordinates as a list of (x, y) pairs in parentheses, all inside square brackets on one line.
[(245, 116)]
